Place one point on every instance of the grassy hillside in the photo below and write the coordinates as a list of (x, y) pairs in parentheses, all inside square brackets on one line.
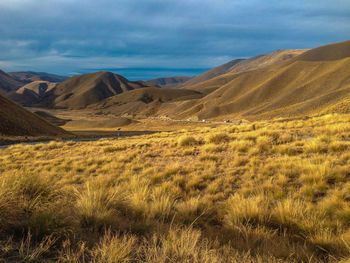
[(241, 65), (274, 191), (33, 93), (16, 121), (145, 101), (38, 88), (305, 84), (170, 82), (83, 90), (8, 83)]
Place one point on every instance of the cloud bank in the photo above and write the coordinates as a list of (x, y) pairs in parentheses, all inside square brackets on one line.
[(143, 39)]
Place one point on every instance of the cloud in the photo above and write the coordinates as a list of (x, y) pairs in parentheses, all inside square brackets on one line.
[(65, 36)]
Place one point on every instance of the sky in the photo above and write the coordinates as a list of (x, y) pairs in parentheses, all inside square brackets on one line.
[(145, 39)]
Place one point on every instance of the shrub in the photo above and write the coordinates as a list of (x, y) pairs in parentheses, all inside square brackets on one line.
[(209, 158), (30, 251), (115, 249), (264, 143), (180, 245), (97, 206), (240, 161), (316, 146), (160, 206), (211, 148), (240, 210), (109, 149), (298, 217), (187, 141), (242, 146), (32, 203), (218, 138), (189, 210), (285, 138), (338, 146)]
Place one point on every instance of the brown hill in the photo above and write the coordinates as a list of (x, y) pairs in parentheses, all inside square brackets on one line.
[(304, 84), (217, 71), (83, 90), (17, 121), (8, 83), (144, 101), (30, 76), (331, 52), (33, 93), (170, 82), (241, 65)]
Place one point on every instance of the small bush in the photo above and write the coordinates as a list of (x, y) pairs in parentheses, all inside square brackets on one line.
[(338, 146), (316, 146), (218, 138), (209, 158), (97, 206), (240, 210), (180, 245), (115, 249), (242, 146), (187, 141), (109, 149), (264, 143), (211, 148)]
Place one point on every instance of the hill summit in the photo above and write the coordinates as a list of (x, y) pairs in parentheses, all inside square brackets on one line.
[(83, 90)]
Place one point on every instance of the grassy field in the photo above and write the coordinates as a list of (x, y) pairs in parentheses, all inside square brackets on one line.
[(276, 191)]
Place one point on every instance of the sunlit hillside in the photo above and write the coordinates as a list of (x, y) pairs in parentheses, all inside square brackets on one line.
[(256, 192), (303, 85)]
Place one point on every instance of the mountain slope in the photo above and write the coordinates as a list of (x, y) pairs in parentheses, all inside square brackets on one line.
[(217, 71), (17, 121), (170, 82), (241, 65), (144, 101), (8, 83), (38, 88), (33, 93), (301, 85), (83, 90), (29, 76)]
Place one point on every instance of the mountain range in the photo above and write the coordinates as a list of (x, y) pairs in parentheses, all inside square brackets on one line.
[(303, 84), (282, 83), (30, 76)]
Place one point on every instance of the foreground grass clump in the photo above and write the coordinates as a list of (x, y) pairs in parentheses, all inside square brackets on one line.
[(187, 141), (278, 192)]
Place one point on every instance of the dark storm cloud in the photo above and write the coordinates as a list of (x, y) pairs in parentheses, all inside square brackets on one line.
[(149, 38)]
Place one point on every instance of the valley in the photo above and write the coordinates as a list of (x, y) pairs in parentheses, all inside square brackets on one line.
[(247, 162)]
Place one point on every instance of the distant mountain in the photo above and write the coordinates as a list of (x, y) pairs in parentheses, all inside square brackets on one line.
[(304, 84), (283, 83), (83, 90), (170, 82), (8, 83), (30, 76), (241, 65), (17, 121)]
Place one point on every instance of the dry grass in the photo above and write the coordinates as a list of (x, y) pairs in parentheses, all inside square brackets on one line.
[(276, 193)]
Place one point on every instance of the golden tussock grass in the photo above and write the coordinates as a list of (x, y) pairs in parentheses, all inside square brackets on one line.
[(279, 193)]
